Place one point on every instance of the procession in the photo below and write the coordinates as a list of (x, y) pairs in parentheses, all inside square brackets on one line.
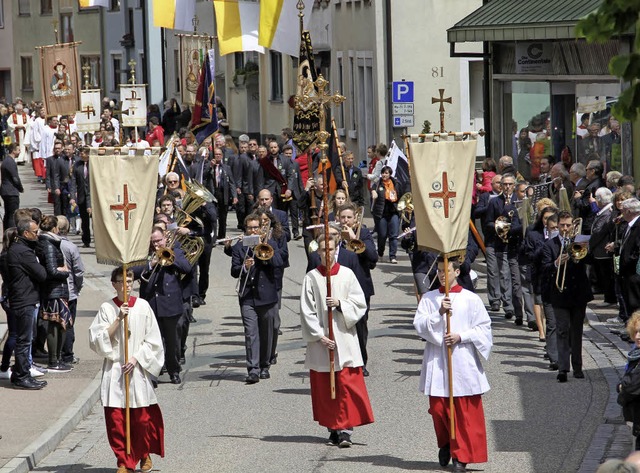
[(181, 292)]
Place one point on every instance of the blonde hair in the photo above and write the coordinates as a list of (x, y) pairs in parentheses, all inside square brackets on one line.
[(633, 324), (545, 202)]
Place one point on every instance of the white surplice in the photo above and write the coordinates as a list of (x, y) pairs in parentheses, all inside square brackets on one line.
[(145, 345), (470, 319), (314, 319), (20, 137)]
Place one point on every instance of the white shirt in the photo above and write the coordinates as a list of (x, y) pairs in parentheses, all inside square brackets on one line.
[(470, 319)]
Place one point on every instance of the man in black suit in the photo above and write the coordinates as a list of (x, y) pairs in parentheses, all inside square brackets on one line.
[(258, 298), (296, 192), (265, 200), (582, 199), (161, 286), (353, 183), (11, 186), (81, 194), (629, 253), (53, 178), (570, 304), (221, 184), (275, 174)]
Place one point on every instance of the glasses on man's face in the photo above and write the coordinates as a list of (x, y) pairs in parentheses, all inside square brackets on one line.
[(172, 182)]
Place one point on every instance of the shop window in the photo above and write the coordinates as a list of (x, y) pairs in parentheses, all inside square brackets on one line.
[(598, 133)]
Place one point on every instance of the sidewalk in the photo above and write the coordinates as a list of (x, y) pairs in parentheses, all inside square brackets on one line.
[(34, 422)]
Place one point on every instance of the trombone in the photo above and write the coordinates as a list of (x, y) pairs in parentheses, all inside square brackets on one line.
[(261, 250), (576, 251), (355, 244)]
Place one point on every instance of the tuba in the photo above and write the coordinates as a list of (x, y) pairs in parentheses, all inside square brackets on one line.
[(405, 207), (196, 195), (356, 245), (503, 226), (192, 246)]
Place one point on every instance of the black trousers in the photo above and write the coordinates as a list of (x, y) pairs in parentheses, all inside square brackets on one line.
[(169, 331), (24, 325), (67, 348), (86, 223), (223, 210), (569, 322), (203, 270), (294, 216), (11, 204), (606, 280), (241, 210), (363, 333), (183, 326)]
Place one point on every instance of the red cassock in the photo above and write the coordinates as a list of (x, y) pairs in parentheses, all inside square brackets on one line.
[(147, 433), (470, 444), (350, 408)]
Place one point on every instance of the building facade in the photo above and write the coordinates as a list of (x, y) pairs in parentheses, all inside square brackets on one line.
[(6, 54)]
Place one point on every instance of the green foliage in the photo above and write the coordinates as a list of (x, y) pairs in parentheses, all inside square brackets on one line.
[(615, 18)]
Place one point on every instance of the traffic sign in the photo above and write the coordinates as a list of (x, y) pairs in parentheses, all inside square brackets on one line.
[(402, 121), (402, 92), (403, 108)]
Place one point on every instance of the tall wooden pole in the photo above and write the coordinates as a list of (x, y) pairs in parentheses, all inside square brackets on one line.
[(452, 427), (334, 131), (127, 379)]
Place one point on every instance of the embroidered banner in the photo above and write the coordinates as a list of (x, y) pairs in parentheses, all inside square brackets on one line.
[(88, 117), (133, 98), (60, 78), (193, 49)]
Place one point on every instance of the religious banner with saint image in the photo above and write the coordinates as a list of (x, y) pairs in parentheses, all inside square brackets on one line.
[(193, 49), (60, 78), (306, 120), (133, 98), (123, 191), (442, 179), (88, 117)]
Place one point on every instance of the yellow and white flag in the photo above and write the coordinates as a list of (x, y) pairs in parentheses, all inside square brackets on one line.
[(237, 22), (174, 14), (280, 25), (442, 176), (94, 3), (123, 191)]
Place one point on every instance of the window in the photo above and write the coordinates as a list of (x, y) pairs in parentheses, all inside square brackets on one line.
[(276, 75), (66, 27), (26, 66), (114, 5), (94, 72), (46, 7), (176, 68), (116, 69), (238, 59), (24, 8), (131, 23)]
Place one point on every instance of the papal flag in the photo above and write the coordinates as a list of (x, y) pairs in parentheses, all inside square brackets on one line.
[(94, 3), (280, 25), (237, 24), (442, 177), (123, 191), (133, 98), (174, 14), (88, 117)]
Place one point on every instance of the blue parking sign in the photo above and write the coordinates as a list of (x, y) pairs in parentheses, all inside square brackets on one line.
[(402, 92)]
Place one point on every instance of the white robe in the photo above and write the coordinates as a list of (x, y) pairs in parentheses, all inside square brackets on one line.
[(37, 129), (15, 120), (470, 319), (145, 345), (47, 141), (314, 321)]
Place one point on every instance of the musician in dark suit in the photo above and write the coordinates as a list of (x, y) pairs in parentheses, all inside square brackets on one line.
[(276, 175), (507, 252), (368, 260), (265, 201), (161, 287), (570, 304), (80, 193), (219, 181), (582, 199), (258, 298), (353, 182), (629, 253), (11, 185)]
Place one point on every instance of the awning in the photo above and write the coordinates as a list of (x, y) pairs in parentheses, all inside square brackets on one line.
[(522, 20)]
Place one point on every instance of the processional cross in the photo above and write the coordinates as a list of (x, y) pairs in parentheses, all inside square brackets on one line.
[(441, 101), (125, 207)]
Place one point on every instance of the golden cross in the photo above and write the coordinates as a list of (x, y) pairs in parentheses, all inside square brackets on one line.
[(442, 101), (132, 72), (316, 93), (86, 68)]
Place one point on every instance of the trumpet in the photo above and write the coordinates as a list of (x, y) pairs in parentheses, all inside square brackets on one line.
[(576, 252), (356, 244)]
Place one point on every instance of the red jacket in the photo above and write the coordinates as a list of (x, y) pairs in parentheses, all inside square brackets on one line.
[(156, 134)]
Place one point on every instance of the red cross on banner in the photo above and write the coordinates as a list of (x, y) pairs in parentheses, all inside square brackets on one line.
[(445, 194), (125, 207)]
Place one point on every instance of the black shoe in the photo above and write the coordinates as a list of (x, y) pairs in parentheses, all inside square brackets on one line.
[(344, 440), (518, 321), (163, 370), (578, 374), (86, 245), (192, 319), (296, 236), (195, 301), (42, 382), (182, 360), (459, 467), (562, 377), (365, 371), (334, 439), (71, 361), (495, 308), (27, 383), (264, 373), (279, 332), (175, 378), (154, 384), (274, 360), (252, 379), (545, 356), (508, 315), (553, 367), (59, 367), (532, 324), (202, 301), (444, 455)]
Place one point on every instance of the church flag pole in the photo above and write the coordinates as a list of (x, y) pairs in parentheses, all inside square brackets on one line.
[(334, 131), (452, 426), (127, 379)]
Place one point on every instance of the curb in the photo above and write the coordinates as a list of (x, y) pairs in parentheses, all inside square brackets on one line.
[(49, 440)]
